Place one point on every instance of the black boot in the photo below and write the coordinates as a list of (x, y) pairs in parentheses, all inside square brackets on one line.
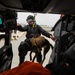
[(21, 60)]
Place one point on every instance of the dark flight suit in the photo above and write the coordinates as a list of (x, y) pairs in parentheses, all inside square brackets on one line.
[(26, 46)]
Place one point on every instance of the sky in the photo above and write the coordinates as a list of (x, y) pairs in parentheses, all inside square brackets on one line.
[(41, 18)]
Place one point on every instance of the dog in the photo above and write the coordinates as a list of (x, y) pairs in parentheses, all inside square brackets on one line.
[(40, 42)]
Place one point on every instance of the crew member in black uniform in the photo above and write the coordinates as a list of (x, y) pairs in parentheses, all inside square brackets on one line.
[(31, 29)]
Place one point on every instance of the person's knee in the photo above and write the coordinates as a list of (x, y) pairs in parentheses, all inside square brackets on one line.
[(22, 50), (22, 53)]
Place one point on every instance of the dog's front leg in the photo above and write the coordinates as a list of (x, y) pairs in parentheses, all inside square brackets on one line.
[(34, 57), (30, 55)]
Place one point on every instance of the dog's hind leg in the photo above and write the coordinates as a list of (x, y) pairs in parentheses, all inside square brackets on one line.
[(44, 55), (46, 49), (43, 59)]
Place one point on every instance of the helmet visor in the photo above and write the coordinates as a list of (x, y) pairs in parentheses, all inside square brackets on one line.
[(30, 20)]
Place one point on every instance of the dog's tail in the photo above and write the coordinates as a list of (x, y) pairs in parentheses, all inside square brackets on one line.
[(51, 46)]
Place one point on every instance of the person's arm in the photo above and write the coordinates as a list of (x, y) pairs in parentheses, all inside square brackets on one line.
[(46, 33), (20, 28)]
